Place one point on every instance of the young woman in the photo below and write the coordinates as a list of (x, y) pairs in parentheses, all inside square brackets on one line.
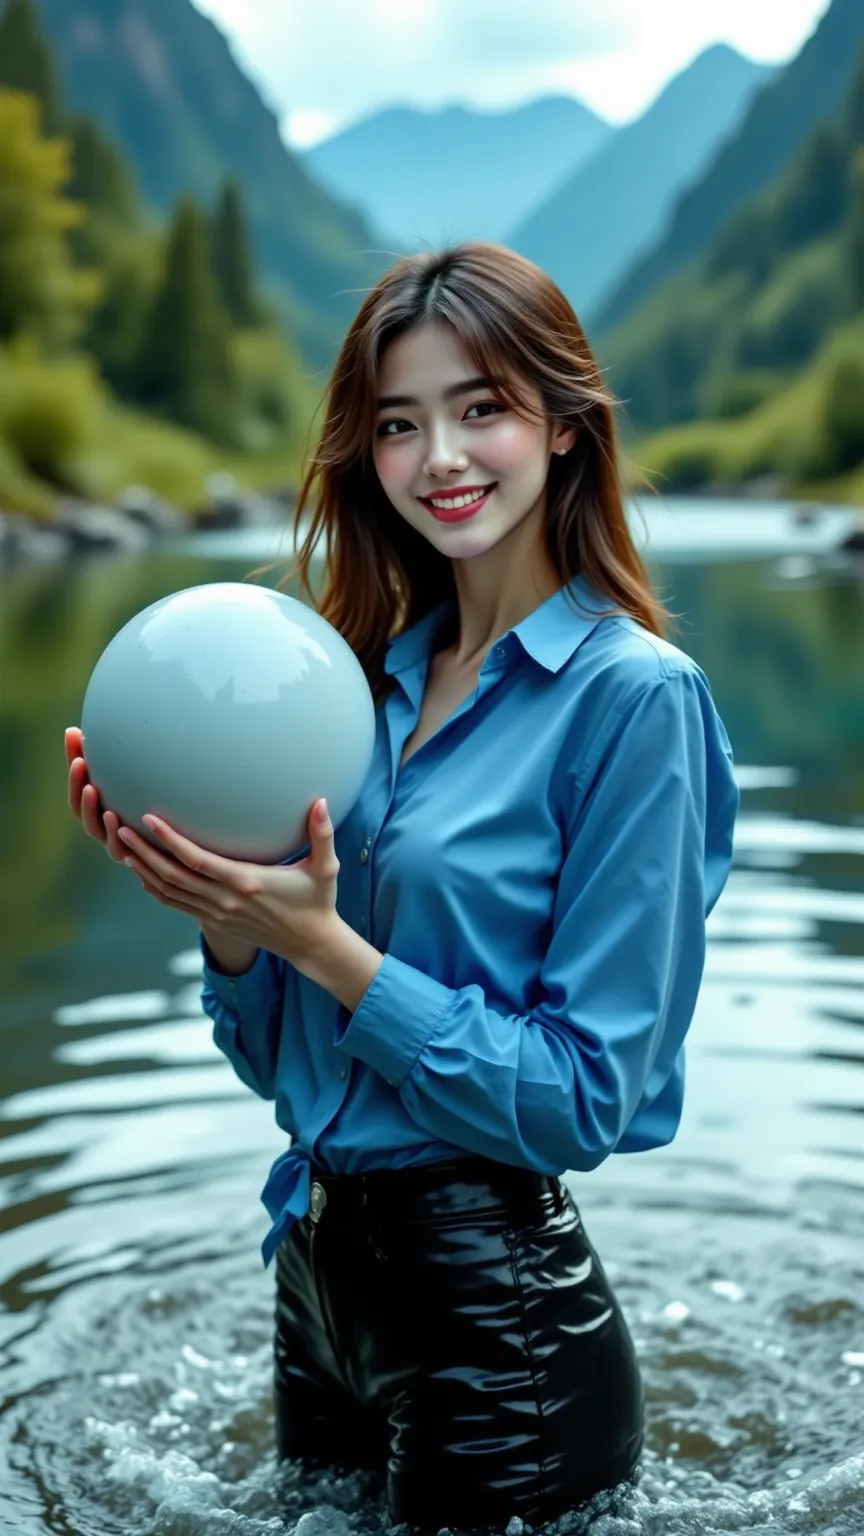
[(484, 978)]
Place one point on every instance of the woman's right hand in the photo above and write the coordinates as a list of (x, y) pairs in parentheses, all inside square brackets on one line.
[(84, 801), (233, 956)]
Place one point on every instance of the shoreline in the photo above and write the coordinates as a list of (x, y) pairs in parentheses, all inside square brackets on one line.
[(140, 521)]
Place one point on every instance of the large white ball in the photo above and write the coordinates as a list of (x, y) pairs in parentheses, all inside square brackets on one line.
[(228, 710)]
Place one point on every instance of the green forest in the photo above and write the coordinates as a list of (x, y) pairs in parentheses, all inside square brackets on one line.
[(749, 360), (133, 349)]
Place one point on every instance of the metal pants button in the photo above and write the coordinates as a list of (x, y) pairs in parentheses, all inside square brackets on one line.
[(317, 1201)]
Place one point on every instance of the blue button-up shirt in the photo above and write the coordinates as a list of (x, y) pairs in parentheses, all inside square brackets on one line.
[(537, 876)]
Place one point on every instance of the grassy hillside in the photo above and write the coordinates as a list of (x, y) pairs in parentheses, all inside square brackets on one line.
[(793, 435), (98, 445)]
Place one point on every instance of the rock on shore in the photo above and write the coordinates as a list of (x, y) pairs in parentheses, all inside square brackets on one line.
[(138, 520)]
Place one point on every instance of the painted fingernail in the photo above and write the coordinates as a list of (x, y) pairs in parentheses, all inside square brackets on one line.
[(124, 837)]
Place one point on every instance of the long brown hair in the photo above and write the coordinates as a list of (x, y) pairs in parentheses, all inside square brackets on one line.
[(381, 574)]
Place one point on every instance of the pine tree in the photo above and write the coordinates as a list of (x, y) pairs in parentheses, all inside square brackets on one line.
[(853, 114), (853, 234), (185, 368), (816, 194), (102, 185), (101, 177), (843, 416), (232, 256), (852, 229), (27, 62)]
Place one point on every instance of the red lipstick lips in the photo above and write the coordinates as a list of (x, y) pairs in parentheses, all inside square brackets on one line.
[(458, 514)]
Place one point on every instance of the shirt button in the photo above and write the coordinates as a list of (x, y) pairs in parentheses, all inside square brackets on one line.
[(362, 922), (343, 1074), (364, 854), (500, 652)]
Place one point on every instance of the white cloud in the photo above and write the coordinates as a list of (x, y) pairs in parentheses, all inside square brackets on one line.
[(323, 63), (310, 127), (664, 37)]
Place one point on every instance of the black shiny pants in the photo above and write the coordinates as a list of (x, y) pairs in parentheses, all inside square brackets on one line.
[(451, 1327)]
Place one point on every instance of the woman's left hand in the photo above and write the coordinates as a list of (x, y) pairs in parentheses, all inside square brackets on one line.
[(289, 910)]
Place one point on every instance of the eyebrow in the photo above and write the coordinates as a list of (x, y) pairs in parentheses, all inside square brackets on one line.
[(451, 393)]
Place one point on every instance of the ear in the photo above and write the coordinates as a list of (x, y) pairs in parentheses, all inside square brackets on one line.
[(562, 439)]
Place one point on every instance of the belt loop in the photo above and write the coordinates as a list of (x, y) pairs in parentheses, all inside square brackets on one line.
[(557, 1194)]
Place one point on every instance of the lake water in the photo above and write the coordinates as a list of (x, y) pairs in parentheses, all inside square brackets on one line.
[(134, 1313)]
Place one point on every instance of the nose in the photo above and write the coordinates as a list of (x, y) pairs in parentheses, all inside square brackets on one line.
[(445, 453)]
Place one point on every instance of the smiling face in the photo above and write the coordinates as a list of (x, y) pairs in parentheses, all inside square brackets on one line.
[(458, 464)]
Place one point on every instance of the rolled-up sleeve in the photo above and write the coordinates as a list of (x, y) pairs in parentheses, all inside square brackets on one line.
[(247, 1016), (647, 832)]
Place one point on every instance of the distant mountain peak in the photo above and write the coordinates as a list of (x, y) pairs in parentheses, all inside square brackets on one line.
[(466, 112), (413, 169), (627, 188)]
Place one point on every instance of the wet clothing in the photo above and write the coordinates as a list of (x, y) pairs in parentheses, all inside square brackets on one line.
[(537, 876), (452, 1329)]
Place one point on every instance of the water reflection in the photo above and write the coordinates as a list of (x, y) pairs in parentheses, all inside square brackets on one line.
[(135, 1321)]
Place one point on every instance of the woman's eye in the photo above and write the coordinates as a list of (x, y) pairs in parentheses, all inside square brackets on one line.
[(485, 405), (394, 421)]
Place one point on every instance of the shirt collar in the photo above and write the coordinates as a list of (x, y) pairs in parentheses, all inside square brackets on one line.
[(550, 634)]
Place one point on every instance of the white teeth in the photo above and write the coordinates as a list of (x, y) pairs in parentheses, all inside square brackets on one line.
[(451, 503)]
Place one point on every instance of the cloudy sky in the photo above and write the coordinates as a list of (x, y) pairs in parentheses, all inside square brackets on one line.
[(321, 64)]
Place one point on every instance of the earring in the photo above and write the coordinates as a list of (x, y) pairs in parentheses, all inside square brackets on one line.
[(561, 452)]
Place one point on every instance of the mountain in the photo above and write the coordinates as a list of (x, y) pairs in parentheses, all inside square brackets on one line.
[(752, 355), (778, 120), (161, 80), (587, 232), (453, 174)]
